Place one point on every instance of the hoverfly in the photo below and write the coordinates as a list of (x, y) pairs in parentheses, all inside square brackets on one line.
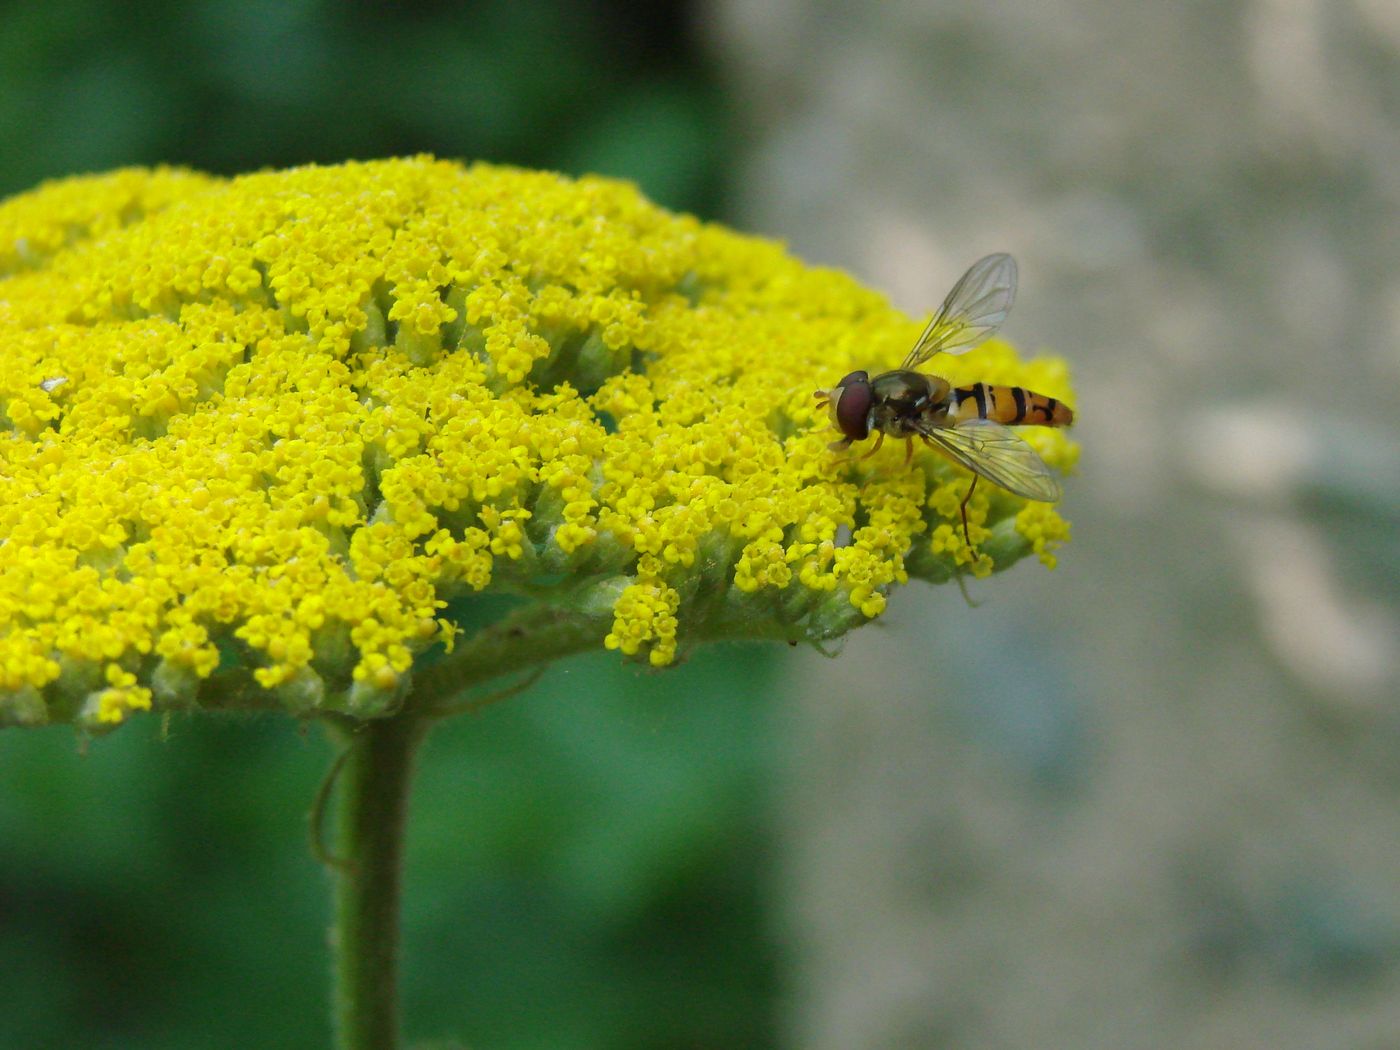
[(968, 424)]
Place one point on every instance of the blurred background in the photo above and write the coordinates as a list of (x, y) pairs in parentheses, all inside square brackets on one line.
[(1146, 801)]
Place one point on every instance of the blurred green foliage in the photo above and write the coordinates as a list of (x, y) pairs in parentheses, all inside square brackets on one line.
[(586, 861), (585, 869), (227, 87)]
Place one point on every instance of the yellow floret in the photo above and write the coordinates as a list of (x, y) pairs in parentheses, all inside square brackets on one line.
[(646, 615), (1045, 529)]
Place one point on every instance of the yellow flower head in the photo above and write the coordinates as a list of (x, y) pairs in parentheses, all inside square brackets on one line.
[(262, 439)]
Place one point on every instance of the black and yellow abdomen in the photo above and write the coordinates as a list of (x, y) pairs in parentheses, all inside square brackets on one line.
[(1011, 405)]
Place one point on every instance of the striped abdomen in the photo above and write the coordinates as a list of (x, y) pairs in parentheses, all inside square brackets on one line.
[(1011, 405)]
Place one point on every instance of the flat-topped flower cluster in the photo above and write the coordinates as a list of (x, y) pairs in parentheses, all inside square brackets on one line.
[(284, 424)]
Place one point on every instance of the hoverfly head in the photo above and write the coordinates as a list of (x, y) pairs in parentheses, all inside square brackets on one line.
[(850, 405)]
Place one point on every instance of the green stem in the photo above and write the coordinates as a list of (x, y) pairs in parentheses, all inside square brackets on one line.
[(373, 812), (371, 784), (534, 636), (530, 637), (371, 789)]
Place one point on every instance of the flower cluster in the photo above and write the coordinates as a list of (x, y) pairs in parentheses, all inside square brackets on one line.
[(287, 423)]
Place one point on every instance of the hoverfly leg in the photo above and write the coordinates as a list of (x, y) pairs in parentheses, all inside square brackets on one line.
[(957, 569), (962, 508), (879, 440), (908, 451)]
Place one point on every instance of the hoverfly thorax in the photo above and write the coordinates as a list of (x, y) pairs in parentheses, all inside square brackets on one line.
[(906, 402)]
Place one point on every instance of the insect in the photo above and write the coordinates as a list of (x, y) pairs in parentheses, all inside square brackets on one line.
[(968, 424)]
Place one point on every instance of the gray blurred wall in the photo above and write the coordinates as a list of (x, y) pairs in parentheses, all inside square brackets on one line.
[(1149, 799)]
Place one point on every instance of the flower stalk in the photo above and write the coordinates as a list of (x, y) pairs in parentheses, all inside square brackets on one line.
[(372, 792)]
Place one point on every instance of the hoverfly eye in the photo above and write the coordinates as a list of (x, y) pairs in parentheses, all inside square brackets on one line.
[(852, 406), (855, 377)]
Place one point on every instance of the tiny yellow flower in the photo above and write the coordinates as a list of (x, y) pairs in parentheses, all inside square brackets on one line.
[(265, 440)]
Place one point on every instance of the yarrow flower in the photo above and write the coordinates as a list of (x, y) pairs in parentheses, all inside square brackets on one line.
[(264, 441)]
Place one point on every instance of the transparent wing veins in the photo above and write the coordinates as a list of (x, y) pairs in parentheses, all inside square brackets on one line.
[(972, 312), (999, 455)]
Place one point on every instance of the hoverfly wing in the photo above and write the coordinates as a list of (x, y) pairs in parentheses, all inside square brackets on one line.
[(973, 310), (999, 455)]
